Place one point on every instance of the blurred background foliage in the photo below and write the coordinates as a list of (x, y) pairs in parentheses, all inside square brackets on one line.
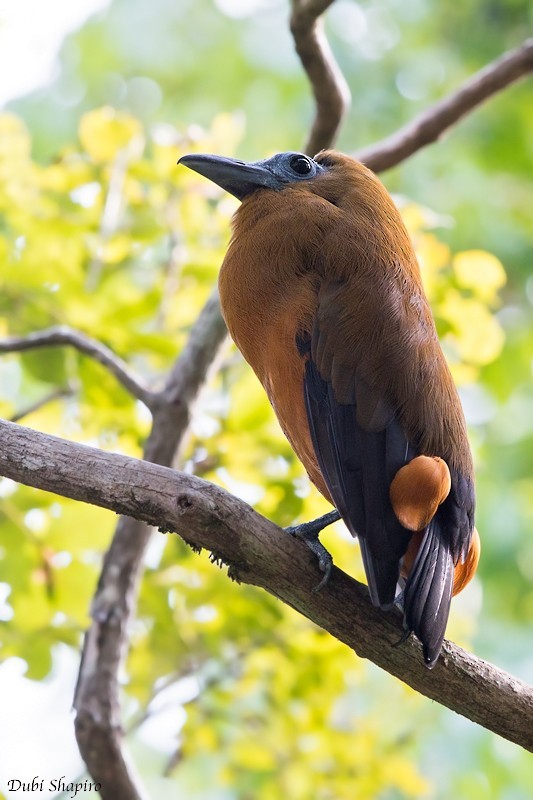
[(228, 694)]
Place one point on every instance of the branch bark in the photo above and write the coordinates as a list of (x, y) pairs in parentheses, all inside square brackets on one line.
[(435, 121), (260, 553), (330, 89)]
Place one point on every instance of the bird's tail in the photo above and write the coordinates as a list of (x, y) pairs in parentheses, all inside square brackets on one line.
[(428, 590)]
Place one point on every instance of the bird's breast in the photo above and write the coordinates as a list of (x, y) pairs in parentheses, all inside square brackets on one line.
[(264, 317)]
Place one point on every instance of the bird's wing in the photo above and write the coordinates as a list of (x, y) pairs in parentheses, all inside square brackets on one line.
[(360, 444), (358, 439), (358, 466)]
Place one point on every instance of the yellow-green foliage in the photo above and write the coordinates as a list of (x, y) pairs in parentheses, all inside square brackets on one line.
[(113, 239)]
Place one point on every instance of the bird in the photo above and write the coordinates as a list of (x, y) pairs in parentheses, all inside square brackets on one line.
[(321, 291)]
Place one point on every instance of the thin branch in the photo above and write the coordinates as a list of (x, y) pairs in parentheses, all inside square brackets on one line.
[(261, 554), (56, 394), (331, 92), (98, 717), (435, 121), (149, 712), (63, 335)]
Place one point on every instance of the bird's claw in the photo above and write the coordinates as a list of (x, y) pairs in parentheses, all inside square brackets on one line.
[(325, 565), (308, 533)]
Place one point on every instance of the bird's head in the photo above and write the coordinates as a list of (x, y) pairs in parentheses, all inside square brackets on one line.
[(241, 178), (330, 175)]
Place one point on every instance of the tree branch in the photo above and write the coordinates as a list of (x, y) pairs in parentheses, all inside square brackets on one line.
[(331, 92), (63, 335), (430, 126), (56, 394), (260, 553), (98, 718)]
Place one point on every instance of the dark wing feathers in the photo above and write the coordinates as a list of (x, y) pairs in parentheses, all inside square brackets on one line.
[(360, 445), (356, 465), (338, 456)]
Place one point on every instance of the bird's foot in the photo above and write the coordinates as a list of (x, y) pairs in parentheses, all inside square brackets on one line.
[(308, 532)]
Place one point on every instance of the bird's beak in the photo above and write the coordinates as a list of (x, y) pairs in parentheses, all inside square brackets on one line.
[(236, 177)]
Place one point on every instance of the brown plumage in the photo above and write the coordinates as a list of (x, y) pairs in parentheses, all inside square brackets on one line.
[(321, 292)]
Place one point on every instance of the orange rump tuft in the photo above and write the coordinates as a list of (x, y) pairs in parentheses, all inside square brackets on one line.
[(418, 489)]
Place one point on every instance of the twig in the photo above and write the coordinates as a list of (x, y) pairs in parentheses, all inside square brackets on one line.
[(429, 126), (261, 554), (98, 719), (148, 712), (331, 92), (56, 394), (63, 335)]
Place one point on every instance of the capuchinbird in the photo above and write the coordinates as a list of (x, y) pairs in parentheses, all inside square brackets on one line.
[(321, 291)]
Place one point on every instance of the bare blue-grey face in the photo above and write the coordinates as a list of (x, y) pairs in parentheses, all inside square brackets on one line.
[(241, 178)]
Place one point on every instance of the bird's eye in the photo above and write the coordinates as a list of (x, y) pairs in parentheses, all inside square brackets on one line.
[(301, 165)]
